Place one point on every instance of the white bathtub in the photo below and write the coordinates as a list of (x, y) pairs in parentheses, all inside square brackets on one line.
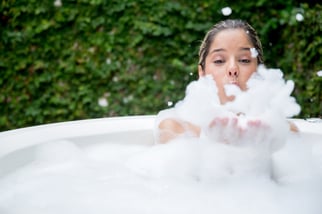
[(39, 188), (122, 129), (125, 130), (136, 129)]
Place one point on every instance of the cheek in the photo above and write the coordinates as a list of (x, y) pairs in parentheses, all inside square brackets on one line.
[(219, 79), (215, 72), (244, 77)]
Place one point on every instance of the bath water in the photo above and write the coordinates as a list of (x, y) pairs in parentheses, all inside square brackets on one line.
[(65, 177)]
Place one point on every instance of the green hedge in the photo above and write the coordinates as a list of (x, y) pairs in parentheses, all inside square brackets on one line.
[(58, 61)]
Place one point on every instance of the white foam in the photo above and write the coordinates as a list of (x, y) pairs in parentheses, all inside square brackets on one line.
[(235, 149), (268, 100), (253, 52), (180, 177)]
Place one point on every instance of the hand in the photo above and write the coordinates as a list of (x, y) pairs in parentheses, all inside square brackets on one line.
[(238, 130)]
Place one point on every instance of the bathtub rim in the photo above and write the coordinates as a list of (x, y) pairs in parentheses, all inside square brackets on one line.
[(16, 139), (13, 140)]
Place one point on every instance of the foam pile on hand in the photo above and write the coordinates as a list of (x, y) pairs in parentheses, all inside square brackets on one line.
[(257, 116)]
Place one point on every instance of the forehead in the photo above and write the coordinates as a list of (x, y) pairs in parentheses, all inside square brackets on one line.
[(231, 39)]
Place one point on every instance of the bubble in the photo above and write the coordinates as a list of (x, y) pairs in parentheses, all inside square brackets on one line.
[(226, 11), (319, 73), (253, 52), (102, 102), (115, 79), (128, 99), (58, 3), (299, 17), (91, 49)]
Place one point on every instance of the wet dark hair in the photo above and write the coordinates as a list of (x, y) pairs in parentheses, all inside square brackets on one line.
[(229, 24)]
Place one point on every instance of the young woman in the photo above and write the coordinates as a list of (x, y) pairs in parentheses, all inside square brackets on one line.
[(230, 53)]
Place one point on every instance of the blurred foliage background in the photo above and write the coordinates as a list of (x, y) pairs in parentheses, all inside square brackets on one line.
[(64, 60)]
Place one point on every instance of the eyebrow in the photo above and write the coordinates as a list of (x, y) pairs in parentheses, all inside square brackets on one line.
[(244, 49), (221, 49), (217, 50)]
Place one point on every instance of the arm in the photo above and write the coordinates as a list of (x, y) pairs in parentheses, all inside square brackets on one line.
[(170, 128)]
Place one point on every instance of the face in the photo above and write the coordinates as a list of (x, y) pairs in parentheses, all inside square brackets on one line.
[(229, 61)]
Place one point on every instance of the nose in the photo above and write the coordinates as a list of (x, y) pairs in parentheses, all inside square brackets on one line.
[(233, 73), (233, 70)]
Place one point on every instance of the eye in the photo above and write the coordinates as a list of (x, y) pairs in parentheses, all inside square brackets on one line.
[(245, 61), (219, 61)]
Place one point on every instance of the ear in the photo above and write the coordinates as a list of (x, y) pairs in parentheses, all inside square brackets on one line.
[(201, 72)]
